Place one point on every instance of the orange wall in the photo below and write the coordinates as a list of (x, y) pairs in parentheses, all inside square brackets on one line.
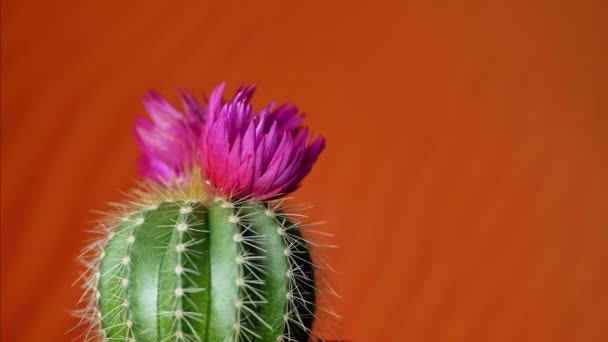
[(465, 176)]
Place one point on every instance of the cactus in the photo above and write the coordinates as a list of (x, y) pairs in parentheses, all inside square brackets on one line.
[(206, 272), (204, 250)]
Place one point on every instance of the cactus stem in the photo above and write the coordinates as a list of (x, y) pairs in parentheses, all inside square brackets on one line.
[(261, 257)]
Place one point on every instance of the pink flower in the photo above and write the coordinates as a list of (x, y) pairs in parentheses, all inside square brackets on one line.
[(169, 142), (259, 155), (241, 153)]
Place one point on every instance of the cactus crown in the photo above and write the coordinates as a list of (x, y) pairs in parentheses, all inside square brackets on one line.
[(204, 250)]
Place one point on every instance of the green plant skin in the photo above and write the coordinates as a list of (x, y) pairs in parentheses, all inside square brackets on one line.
[(276, 281), (225, 271), (217, 273)]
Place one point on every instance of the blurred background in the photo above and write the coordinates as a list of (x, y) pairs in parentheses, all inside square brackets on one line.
[(465, 177)]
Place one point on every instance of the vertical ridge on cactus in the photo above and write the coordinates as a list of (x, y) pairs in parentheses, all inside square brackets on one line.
[(202, 251)]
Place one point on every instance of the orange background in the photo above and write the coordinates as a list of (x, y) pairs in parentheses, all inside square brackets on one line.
[(466, 170)]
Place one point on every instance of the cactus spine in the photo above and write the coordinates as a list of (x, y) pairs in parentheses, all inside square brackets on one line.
[(191, 271)]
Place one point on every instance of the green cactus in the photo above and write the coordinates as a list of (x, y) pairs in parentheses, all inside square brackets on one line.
[(187, 271), (203, 250)]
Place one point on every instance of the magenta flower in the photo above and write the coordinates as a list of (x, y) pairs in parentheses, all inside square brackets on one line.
[(263, 155), (169, 142)]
